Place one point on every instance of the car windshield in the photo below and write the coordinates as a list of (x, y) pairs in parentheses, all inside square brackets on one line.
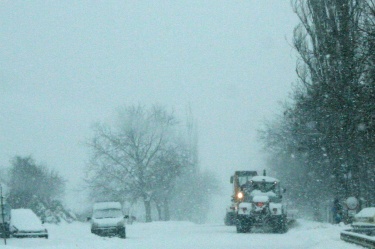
[(107, 213)]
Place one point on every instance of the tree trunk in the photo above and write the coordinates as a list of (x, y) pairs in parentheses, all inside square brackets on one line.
[(167, 215), (158, 208), (148, 210)]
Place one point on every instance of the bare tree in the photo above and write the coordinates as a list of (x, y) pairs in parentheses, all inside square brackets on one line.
[(138, 158), (169, 166)]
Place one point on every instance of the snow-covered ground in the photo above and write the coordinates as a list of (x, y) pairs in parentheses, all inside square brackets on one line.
[(185, 235)]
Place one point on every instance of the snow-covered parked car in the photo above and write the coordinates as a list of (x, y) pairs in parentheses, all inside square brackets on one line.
[(365, 218), (25, 223), (364, 221), (108, 219)]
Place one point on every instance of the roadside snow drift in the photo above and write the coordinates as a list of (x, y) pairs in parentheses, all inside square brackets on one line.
[(186, 235)]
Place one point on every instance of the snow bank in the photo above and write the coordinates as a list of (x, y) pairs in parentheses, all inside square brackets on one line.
[(186, 235)]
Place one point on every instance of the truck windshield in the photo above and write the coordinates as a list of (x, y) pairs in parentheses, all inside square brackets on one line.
[(263, 187), (107, 213), (244, 179)]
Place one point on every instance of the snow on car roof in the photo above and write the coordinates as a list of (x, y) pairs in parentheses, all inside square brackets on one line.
[(366, 212), (265, 178), (25, 220), (107, 205)]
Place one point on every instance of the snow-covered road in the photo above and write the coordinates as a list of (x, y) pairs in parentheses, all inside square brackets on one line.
[(185, 235)]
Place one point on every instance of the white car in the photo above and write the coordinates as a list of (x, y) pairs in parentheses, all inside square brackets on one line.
[(25, 223), (108, 219)]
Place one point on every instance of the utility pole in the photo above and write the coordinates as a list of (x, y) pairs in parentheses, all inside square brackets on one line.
[(2, 214)]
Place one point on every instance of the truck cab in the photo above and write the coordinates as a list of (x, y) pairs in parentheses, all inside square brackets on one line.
[(261, 205), (237, 180)]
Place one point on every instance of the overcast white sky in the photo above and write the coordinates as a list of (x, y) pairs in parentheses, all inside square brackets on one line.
[(67, 64)]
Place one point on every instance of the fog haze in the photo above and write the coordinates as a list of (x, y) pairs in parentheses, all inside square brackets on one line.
[(65, 65)]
